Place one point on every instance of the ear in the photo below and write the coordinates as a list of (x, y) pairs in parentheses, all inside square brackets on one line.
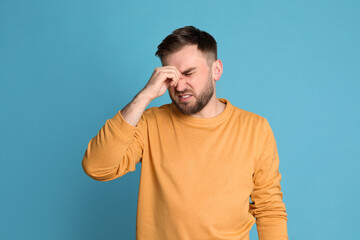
[(217, 69)]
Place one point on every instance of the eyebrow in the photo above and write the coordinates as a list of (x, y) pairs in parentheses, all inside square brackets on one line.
[(188, 70)]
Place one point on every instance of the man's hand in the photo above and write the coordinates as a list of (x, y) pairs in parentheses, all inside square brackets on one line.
[(160, 80)]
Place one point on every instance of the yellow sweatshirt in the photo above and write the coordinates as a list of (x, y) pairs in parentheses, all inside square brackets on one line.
[(196, 174)]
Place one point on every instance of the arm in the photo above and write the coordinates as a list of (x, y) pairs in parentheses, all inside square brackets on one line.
[(267, 206), (118, 146)]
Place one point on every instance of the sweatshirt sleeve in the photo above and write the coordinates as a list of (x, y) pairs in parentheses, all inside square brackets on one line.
[(115, 150), (266, 199)]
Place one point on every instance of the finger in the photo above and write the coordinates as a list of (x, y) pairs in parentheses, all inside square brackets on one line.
[(178, 76), (178, 73), (170, 77), (173, 68)]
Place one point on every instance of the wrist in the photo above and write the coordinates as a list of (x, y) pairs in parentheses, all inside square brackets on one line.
[(143, 96)]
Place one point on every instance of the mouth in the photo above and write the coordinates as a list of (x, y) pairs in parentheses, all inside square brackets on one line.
[(184, 97)]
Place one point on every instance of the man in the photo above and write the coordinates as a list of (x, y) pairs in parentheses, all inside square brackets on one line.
[(201, 156)]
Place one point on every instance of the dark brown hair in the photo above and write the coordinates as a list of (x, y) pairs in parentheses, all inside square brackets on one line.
[(188, 35)]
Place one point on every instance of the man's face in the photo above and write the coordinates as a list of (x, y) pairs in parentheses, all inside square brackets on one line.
[(196, 85)]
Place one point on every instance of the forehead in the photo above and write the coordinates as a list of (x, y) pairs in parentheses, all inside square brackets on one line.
[(187, 57)]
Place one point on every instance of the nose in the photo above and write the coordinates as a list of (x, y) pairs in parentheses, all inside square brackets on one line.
[(181, 86)]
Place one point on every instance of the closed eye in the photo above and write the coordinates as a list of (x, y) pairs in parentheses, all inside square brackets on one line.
[(188, 72)]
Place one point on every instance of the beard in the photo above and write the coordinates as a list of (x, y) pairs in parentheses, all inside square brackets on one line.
[(201, 99)]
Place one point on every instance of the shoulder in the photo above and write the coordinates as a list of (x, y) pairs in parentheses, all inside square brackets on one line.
[(257, 126), (248, 121), (245, 116)]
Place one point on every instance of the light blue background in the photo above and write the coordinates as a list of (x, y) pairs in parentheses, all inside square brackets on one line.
[(67, 66)]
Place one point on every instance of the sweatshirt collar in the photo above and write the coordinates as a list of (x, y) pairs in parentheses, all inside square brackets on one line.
[(204, 121)]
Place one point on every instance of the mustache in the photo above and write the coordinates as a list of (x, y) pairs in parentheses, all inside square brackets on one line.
[(186, 91)]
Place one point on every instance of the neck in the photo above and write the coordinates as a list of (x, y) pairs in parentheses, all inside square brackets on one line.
[(212, 109)]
